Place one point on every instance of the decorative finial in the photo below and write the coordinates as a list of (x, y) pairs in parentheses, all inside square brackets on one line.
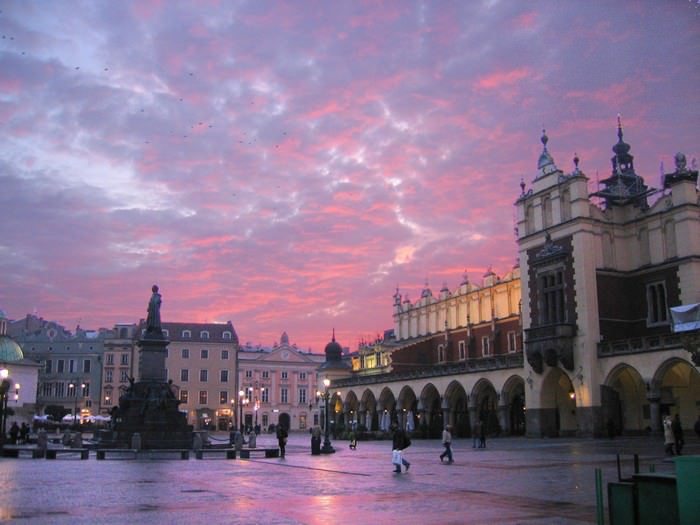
[(522, 186), (576, 161), (619, 127), (694, 164), (544, 138), (333, 335)]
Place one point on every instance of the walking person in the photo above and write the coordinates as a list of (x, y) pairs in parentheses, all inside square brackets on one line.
[(668, 436), (282, 438), (399, 443), (677, 434), (476, 434), (482, 435), (447, 443)]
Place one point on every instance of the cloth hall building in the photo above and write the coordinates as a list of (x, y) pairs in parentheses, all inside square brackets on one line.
[(578, 339)]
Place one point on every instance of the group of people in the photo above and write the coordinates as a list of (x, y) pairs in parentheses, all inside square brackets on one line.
[(19, 434), (673, 435)]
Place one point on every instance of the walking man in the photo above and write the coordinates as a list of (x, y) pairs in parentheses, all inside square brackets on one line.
[(399, 443), (447, 443)]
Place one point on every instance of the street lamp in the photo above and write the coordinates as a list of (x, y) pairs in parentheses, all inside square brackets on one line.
[(233, 414), (5, 385), (72, 387), (327, 448), (240, 409)]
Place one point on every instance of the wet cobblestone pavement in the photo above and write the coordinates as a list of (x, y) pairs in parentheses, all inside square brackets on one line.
[(513, 481)]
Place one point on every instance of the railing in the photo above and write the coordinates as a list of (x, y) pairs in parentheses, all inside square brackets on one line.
[(549, 331), (636, 345), (471, 366)]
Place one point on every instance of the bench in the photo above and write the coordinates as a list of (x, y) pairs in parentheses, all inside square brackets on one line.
[(51, 453), (16, 452), (229, 453), (131, 453), (269, 452)]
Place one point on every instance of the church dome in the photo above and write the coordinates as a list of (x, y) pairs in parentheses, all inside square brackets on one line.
[(334, 352), (9, 350)]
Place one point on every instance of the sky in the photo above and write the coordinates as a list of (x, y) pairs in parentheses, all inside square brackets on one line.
[(287, 165)]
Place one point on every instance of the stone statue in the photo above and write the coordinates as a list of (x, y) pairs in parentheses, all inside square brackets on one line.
[(153, 319), (681, 162)]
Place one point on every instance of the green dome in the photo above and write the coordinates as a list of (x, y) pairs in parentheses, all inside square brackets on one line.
[(9, 350)]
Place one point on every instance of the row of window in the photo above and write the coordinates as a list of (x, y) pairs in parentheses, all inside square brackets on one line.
[(485, 347), (123, 375), (123, 359), (203, 353), (204, 334), (224, 398), (65, 389), (266, 375), (203, 375), (70, 366)]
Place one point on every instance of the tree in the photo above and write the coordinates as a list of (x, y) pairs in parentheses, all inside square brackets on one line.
[(56, 412)]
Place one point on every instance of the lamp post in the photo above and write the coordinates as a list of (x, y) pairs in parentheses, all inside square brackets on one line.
[(233, 414), (240, 409), (327, 448), (4, 394), (73, 386)]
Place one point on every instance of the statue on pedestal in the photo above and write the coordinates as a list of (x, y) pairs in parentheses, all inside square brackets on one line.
[(153, 319)]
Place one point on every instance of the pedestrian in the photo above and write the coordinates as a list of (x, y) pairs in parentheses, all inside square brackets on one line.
[(677, 434), (282, 438), (482, 435), (447, 443), (668, 436), (14, 432), (400, 442), (476, 433), (353, 440), (24, 433)]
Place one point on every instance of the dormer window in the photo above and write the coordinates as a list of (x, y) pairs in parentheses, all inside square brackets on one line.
[(204, 334), (226, 336), (186, 334)]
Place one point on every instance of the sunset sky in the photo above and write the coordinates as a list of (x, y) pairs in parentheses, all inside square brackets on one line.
[(287, 165)]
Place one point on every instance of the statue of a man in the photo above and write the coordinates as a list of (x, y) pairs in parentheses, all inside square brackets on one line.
[(153, 319)]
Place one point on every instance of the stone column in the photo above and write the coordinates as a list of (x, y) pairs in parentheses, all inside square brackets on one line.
[(654, 399)]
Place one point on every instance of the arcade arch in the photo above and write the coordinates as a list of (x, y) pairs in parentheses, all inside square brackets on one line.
[(558, 405), (623, 397)]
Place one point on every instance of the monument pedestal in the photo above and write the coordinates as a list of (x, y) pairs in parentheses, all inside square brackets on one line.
[(149, 407)]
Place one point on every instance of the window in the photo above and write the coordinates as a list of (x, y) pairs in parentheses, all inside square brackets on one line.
[(302, 376), (265, 395), (248, 374), (203, 397), (47, 389), (656, 304), (86, 366), (110, 359), (223, 397), (224, 354), (302, 396), (60, 389), (203, 376), (462, 351), (109, 375), (184, 375), (184, 396), (185, 353), (266, 374), (48, 366), (284, 374), (226, 336), (485, 346), (166, 332), (71, 365), (512, 342), (85, 390), (204, 334), (123, 375), (224, 376), (204, 354), (283, 395), (186, 334), (552, 302), (441, 354), (108, 400), (124, 361)]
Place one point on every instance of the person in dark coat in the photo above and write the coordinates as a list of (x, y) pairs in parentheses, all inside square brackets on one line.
[(282, 438), (400, 442), (14, 432), (677, 434)]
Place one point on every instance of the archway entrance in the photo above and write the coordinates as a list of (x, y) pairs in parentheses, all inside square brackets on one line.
[(558, 402), (623, 397)]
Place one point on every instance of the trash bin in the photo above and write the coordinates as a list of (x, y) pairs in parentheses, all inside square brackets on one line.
[(688, 488)]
